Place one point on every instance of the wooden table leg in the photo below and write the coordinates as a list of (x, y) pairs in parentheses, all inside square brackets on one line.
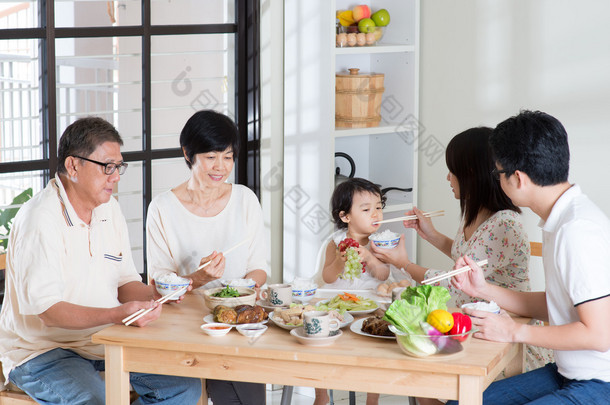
[(515, 366), (117, 380), (470, 390)]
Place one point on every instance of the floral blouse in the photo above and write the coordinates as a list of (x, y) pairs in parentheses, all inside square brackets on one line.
[(503, 242)]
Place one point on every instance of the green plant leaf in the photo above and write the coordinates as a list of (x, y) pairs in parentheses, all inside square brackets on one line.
[(7, 215)]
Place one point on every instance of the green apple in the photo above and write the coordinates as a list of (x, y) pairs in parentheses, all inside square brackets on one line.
[(381, 17), (366, 25)]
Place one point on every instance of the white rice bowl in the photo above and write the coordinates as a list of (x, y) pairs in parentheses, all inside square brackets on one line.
[(239, 282), (483, 306), (386, 239)]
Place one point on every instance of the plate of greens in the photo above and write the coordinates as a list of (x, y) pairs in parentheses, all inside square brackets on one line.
[(346, 302)]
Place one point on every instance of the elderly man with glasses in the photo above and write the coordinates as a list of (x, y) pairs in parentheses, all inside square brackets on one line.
[(70, 273)]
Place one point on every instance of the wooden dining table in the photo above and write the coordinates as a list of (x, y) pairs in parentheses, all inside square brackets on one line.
[(175, 345)]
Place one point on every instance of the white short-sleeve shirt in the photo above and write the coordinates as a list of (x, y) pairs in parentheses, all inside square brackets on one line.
[(576, 241), (54, 256), (177, 239), (365, 281)]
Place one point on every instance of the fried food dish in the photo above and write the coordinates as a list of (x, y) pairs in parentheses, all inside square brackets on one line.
[(374, 325), (240, 314), (225, 314)]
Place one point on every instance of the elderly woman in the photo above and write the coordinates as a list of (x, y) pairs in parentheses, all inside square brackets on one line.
[(194, 222)]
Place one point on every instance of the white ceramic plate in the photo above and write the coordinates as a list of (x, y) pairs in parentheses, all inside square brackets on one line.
[(366, 311), (301, 336), (347, 319), (356, 327), (268, 307), (210, 319)]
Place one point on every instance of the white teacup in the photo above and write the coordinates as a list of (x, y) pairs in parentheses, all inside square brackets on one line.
[(319, 324), (278, 295)]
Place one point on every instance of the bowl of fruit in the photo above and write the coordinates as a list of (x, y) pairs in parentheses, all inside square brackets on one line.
[(360, 27)]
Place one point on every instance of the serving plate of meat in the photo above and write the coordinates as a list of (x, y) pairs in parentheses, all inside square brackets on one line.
[(373, 326), (241, 314)]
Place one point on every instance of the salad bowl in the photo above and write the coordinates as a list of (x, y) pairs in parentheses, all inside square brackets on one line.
[(431, 346)]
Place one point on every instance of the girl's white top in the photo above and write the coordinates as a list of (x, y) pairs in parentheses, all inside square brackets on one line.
[(364, 282), (177, 239)]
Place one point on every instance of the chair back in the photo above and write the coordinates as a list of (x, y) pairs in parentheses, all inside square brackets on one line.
[(320, 258), (536, 249)]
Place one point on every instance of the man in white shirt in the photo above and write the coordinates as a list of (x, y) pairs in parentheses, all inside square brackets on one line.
[(69, 273), (532, 163)]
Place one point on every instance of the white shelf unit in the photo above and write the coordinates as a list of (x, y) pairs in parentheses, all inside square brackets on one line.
[(387, 154)]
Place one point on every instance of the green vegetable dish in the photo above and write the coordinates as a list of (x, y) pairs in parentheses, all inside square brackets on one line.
[(226, 293), (340, 304)]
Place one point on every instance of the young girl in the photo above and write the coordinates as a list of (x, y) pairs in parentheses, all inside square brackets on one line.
[(356, 204)]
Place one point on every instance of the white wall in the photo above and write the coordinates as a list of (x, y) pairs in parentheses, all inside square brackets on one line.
[(272, 131), (482, 61)]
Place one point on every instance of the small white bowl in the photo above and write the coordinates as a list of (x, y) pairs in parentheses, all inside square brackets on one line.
[(216, 329), (168, 288), (239, 282), (483, 306), (251, 330), (304, 294)]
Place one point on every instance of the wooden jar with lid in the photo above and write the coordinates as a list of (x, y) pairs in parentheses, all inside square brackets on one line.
[(358, 99)]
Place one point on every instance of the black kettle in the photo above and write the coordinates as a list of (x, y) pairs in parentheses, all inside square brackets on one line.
[(340, 178)]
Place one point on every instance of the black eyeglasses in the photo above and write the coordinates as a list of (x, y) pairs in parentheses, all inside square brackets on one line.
[(496, 172), (109, 168)]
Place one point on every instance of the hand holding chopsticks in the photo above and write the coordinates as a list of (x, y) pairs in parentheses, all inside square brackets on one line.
[(408, 217), (224, 253), (452, 273), (138, 314)]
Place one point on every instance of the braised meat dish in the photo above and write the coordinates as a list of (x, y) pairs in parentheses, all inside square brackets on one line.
[(374, 325)]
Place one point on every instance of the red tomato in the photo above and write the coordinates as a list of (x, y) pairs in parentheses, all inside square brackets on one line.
[(461, 324)]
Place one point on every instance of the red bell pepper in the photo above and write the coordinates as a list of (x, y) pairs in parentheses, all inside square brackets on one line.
[(461, 324)]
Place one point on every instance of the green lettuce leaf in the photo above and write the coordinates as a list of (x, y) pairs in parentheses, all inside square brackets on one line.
[(415, 305)]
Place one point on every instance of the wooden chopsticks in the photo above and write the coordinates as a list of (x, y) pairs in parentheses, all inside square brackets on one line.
[(224, 253), (408, 217), (452, 273), (140, 313)]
